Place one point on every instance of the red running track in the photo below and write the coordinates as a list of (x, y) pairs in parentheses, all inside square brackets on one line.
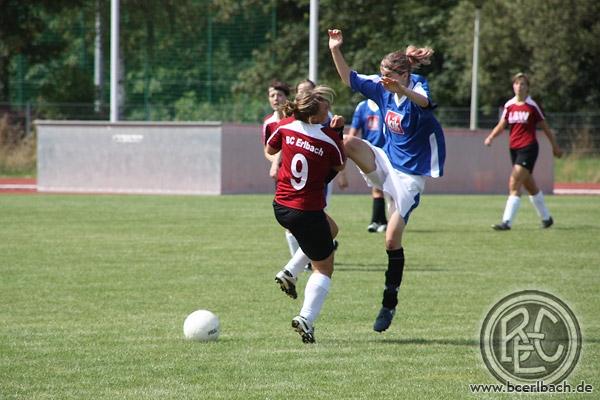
[(28, 185)]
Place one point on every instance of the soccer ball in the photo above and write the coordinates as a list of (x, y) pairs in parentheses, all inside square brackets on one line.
[(201, 326)]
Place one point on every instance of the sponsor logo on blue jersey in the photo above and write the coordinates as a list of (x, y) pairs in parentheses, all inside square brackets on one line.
[(393, 120)]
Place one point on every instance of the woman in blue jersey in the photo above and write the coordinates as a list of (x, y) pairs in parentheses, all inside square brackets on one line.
[(414, 148)]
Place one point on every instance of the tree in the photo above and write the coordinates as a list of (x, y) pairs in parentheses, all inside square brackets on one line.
[(554, 41), (21, 26)]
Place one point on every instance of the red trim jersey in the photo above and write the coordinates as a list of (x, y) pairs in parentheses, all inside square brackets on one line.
[(269, 125), (308, 154), (522, 119)]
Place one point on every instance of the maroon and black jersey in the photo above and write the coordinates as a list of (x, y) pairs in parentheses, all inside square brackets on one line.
[(270, 123), (522, 119), (308, 154)]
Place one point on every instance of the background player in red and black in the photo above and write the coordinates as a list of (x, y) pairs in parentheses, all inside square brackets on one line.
[(309, 154), (523, 114), (278, 93)]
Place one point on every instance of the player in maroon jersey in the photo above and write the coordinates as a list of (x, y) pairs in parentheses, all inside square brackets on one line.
[(278, 93), (334, 121), (311, 155), (523, 114)]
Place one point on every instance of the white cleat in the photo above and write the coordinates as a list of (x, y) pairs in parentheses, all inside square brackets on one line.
[(304, 328), (287, 283)]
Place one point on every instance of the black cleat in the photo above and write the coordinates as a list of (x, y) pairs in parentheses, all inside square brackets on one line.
[(547, 223), (384, 319), (504, 226)]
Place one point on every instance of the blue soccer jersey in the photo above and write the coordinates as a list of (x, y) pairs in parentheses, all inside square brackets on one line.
[(368, 120), (414, 139)]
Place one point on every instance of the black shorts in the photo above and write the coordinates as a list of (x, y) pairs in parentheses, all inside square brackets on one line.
[(525, 156), (310, 228)]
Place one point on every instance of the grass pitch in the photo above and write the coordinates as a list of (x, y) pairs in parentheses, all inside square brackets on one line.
[(94, 291)]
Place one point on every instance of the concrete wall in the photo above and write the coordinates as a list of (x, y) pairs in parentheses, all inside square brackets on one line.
[(215, 158), (470, 166), (129, 157)]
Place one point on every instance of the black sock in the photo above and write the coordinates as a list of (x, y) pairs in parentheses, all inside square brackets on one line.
[(393, 277), (378, 214)]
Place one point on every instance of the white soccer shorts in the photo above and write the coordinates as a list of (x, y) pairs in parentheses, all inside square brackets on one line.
[(404, 189)]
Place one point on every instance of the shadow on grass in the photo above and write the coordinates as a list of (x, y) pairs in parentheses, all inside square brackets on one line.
[(518, 228), (445, 342), (379, 267), (575, 228)]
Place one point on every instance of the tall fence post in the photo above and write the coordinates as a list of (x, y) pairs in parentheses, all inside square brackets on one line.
[(28, 119), (209, 57)]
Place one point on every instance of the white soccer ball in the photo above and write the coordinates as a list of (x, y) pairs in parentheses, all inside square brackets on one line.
[(201, 326)]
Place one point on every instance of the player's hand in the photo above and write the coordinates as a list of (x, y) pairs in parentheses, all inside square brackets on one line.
[(342, 180), (487, 141), (557, 152), (337, 121), (335, 38), (392, 85), (274, 170)]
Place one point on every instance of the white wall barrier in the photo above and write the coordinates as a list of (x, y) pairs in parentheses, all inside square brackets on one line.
[(220, 158)]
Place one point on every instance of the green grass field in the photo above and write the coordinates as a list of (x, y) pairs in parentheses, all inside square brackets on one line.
[(94, 291)]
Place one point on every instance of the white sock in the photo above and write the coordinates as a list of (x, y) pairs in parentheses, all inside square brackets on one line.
[(540, 206), (510, 211), (292, 243), (297, 263), (315, 292)]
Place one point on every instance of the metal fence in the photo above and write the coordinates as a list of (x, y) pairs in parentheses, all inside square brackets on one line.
[(168, 66), (577, 133)]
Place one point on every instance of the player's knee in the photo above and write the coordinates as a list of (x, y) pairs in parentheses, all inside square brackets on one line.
[(325, 266), (352, 144), (392, 244)]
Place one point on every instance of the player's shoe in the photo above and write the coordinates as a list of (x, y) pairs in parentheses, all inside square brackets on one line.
[(373, 227), (381, 228), (384, 319), (504, 226), (304, 328), (547, 223), (287, 283)]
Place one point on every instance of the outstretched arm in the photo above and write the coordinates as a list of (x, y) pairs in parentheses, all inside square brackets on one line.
[(335, 42), (495, 132)]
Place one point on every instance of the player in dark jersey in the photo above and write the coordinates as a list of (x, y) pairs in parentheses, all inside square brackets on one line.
[(310, 156), (336, 122), (278, 93), (414, 148), (523, 114)]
